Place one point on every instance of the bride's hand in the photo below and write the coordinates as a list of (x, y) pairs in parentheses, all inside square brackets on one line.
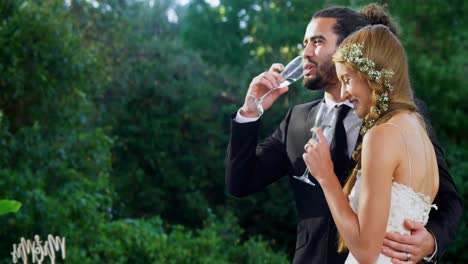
[(317, 157)]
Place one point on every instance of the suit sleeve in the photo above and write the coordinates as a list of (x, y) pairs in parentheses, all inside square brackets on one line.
[(250, 168), (443, 222)]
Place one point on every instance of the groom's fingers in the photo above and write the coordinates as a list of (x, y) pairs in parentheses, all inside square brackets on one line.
[(399, 238), (398, 257), (398, 247), (276, 67), (394, 254), (397, 261), (270, 79), (413, 225)]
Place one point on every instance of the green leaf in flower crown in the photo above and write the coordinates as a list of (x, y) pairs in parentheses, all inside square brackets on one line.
[(9, 206)]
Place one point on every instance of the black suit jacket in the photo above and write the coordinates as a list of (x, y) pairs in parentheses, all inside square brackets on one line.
[(444, 222), (250, 168)]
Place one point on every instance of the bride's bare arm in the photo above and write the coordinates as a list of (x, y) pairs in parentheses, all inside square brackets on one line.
[(364, 232)]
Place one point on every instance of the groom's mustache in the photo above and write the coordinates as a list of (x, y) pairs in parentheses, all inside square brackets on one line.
[(311, 61)]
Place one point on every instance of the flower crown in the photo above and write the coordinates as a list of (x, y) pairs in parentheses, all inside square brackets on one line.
[(352, 53)]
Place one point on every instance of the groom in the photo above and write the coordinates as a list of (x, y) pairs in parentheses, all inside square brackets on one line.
[(250, 168)]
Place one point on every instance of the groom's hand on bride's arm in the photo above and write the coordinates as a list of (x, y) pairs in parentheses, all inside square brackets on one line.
[(419, 244)]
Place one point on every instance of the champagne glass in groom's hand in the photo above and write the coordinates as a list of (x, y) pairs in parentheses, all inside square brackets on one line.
[(292, 72)]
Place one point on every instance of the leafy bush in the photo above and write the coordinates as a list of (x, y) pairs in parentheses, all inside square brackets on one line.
[(54, 159), (9, 206), (153, 241)]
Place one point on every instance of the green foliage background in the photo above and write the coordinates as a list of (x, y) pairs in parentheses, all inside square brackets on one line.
[(115, 120)]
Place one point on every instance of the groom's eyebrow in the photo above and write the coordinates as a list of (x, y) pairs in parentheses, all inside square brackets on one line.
[(313, 38), (317, 37)]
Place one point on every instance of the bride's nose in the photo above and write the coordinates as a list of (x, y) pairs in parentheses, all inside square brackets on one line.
[(344, 95)]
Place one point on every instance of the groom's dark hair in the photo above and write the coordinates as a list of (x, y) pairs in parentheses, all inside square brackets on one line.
[(348, 20)]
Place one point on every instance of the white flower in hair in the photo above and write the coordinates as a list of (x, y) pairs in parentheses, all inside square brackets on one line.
[(352, 53)]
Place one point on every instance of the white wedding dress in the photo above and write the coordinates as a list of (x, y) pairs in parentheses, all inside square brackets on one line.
[(405, 203)]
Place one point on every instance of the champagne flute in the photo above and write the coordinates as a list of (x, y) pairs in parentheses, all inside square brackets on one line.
[(292, 72), (325, 123)]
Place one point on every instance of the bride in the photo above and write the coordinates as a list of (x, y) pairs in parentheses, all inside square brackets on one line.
[(396, 175)]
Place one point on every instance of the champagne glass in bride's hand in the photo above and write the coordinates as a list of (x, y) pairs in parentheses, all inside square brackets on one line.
[(325, 123), (292, 72)]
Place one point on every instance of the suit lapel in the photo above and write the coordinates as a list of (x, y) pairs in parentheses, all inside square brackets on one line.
[(313, 114), (303, 135)]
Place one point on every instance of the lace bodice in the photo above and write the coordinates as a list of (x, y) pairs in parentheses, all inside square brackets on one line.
[(405, 203)]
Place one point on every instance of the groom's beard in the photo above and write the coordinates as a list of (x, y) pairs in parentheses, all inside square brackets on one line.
[(325, 76)]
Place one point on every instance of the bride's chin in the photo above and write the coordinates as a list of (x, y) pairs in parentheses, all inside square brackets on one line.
[(361, 114)]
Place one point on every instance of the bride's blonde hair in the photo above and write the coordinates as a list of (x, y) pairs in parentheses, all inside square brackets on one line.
[(383, 48)]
